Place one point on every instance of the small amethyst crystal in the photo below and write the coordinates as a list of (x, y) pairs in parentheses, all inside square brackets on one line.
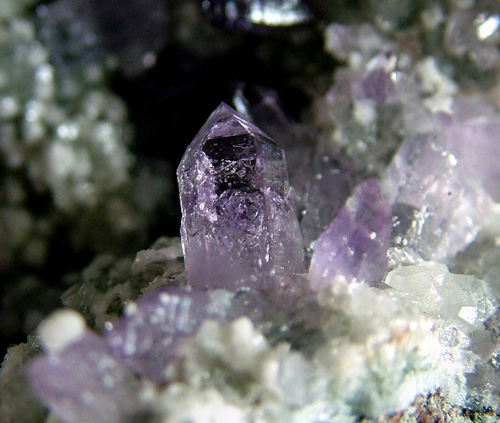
[(147, 338), (474, 137), (355, 244), (85, 383), (437, 204), (256, 15), (239, 227)]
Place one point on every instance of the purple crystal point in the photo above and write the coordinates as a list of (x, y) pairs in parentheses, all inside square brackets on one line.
[(147, 338), (328, 183), (355, 244), (239, 227), (84, 383), (321, 181)]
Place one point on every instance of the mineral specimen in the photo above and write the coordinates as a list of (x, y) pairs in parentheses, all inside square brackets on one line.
[(413, 105), (354, 246), (239, 226)]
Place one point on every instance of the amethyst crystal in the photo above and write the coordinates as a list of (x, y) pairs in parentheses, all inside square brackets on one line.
[(147, 338), (255, 15), (473, 136), (239, 226), (321, 181), (355, 244), (328, 183), (85, 383), (437, 206)]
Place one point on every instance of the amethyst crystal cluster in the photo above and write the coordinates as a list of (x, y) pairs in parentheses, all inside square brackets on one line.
[(244, 253), (248, 287), (311, 282)]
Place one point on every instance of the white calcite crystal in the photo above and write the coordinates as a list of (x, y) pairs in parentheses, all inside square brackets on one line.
[(384, 348), (459, 306), (61, 329)]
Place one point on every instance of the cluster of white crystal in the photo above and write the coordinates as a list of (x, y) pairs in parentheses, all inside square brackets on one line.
[(11, 8), (64, 136), (384, 348)]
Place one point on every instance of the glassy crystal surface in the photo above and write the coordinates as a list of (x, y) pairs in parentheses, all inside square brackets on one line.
[(474, 136), (85, 383), (239, 226), (147, 338), (321, 181), (252, 15), (438, 208), (328, 183), (355, 244), (473, 35)]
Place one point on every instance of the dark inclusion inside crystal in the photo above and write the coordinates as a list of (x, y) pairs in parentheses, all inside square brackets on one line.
[(234, 160)]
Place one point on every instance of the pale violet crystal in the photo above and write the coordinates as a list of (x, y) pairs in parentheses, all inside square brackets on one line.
[(437, 206), (321, 181), (473, 135), (85, 383), (355, 244), (239, 226), (148, 336)]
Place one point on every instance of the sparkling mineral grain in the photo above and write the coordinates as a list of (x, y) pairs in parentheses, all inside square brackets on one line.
[(149, 335), (355, 244), (239, 227), (256, 15)]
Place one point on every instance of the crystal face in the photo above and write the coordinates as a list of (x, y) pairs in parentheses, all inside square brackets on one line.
[(148, 337), (239, 226), (437, 206), (321, 181), (355, 244), (473, 135), (85, 383)]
